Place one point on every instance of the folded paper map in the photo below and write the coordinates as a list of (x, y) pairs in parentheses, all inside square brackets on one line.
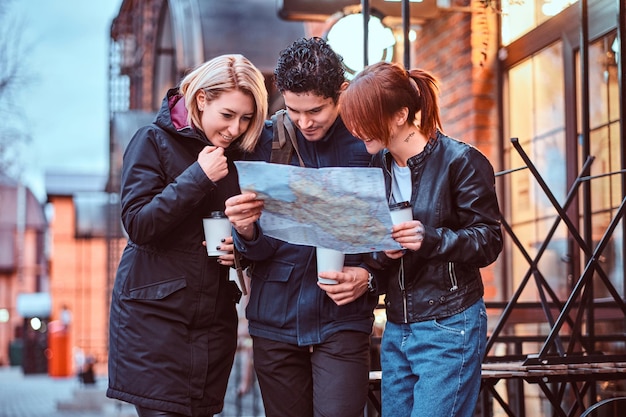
[(337, 208)]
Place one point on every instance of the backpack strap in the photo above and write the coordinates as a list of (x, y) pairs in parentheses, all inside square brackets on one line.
[(240, 271), (284, 140), (282, 149)]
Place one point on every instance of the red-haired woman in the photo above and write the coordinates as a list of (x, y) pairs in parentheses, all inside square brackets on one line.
[(435, 335)]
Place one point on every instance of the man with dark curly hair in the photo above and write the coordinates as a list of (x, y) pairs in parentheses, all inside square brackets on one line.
[(310, 340)]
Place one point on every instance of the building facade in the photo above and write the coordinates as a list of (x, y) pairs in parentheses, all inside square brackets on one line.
[(536, 85), (23, 271)]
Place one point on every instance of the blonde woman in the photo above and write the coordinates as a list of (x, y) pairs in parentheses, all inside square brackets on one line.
[(173, 323)]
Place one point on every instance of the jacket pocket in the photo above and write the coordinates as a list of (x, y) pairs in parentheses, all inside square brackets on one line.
[(163, 301), (268, 304), (158, 290)]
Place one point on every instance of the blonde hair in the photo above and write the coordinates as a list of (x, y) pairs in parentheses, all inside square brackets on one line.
[(226, 73)]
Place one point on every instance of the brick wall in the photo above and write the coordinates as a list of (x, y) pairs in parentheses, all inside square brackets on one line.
[(459, 48)]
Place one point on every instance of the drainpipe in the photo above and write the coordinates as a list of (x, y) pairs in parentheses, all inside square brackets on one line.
[(365, 9), (406, 24), (621, 78), (20, 227)]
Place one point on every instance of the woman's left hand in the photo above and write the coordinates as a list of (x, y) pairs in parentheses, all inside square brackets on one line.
[(228, 246), (409, 234), (351, 284)]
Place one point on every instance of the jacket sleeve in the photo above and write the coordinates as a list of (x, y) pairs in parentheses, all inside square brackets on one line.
[(259, 249), (154, 202), (477, 239)]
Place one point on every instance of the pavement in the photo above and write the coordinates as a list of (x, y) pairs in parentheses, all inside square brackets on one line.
[(39, 395)]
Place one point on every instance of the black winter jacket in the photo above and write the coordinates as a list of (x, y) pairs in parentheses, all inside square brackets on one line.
[(454, 197), (169, 296)]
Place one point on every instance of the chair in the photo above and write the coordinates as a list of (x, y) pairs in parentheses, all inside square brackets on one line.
[(610, 407)]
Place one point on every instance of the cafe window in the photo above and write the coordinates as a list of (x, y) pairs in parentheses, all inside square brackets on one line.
[(536, 114), (562, 109), (521, 16), (543, 105), (605, 146)]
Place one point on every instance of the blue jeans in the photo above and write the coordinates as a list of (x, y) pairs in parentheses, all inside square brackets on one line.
[(433, 368)]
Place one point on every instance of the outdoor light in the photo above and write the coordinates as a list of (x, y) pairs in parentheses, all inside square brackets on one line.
[(4, 315), (35, 323), (346, 35)]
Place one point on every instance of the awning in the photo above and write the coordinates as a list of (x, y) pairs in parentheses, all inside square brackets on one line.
[(37, 304)]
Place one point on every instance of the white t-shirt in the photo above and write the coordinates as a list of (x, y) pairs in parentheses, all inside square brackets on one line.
[(400, 183)]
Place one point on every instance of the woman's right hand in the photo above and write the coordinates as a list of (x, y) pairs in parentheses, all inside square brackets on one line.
[(242, 211), (409, 234), (213, 162), (395, 254)]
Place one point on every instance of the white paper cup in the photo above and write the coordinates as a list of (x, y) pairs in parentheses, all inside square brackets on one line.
[(216, 228), (401, 212), (329, 260)]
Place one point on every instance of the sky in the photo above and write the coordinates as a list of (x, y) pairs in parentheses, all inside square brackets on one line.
[(65, 99)]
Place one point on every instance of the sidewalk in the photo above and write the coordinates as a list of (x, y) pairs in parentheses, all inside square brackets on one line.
[(33, 395), (39, 395)]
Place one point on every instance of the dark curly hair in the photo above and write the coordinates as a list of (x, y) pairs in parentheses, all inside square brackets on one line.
[(310, 65)]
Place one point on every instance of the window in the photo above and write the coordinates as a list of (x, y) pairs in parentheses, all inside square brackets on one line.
[(537, 118), (605, 146), (521, 16)]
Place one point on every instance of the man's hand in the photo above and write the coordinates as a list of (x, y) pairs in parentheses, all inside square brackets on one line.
[(351, 284), (242, 211)]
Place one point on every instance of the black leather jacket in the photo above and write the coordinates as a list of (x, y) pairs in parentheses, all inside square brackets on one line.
[(454, 197)]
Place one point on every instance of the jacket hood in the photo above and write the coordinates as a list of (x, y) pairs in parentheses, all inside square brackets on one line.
[(172, 116)]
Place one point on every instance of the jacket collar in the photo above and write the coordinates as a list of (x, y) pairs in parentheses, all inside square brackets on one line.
[(416, 160), (329, 134), (337, 124)]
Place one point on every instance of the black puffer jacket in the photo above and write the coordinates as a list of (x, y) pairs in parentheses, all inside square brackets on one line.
[(173, 320), (454, 197)]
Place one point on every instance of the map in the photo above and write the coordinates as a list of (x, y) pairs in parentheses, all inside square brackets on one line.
[(337, 208)]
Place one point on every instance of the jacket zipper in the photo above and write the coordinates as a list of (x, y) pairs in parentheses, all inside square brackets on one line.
[(452, 275), (403, 291)]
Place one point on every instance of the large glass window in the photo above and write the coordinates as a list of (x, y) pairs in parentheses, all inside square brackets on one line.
[(605, 146), (522, 16), (545, 108), (537, 118)]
